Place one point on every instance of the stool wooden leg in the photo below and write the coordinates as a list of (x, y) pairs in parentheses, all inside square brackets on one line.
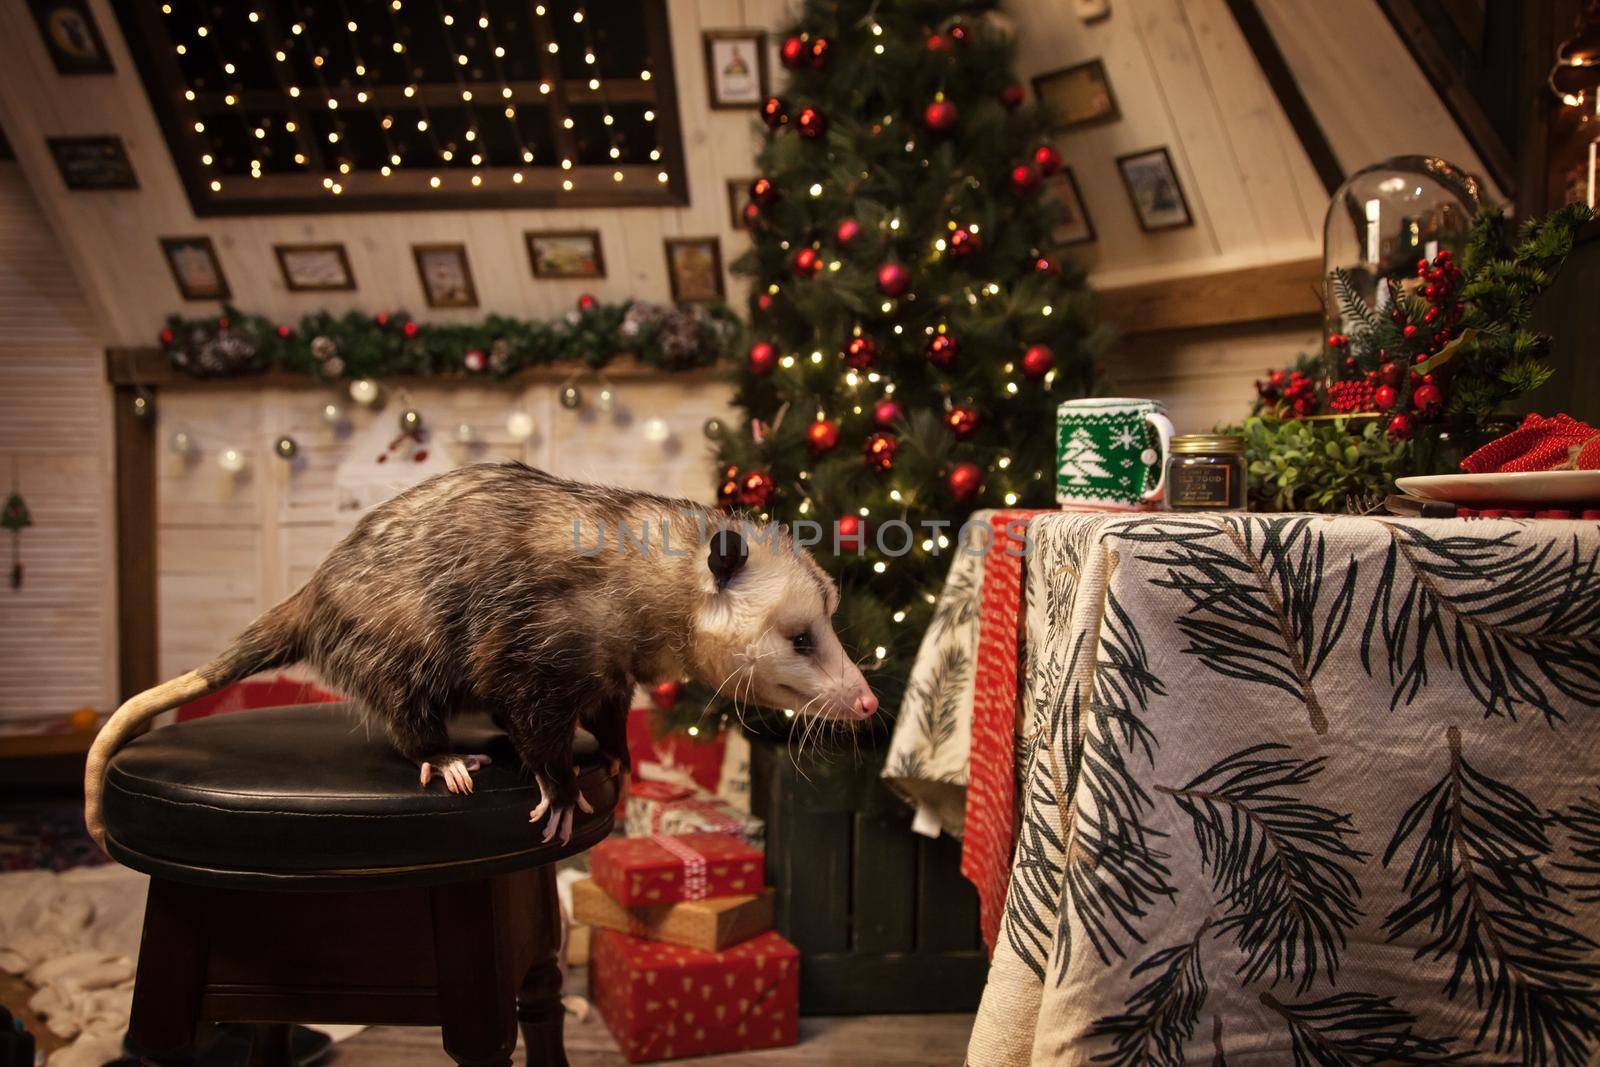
[(477, 1011), (539, 1009), (171, 975), (270, 1045)]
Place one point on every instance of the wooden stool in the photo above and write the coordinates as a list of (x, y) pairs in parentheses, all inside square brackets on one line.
[(300, 874)]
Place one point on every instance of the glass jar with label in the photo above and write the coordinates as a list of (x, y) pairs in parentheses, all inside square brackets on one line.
[(1206, 472)]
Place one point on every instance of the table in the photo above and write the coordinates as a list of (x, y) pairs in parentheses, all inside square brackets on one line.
[(1303, 789)]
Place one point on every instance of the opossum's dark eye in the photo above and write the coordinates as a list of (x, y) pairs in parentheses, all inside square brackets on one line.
[(804, 644)]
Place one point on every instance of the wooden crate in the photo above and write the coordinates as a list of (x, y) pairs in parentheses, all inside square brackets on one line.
[(883, 918)]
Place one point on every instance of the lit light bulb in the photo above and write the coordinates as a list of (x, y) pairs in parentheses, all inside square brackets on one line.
[(519, 424), (656, 431), (232, 460), (364, 391)]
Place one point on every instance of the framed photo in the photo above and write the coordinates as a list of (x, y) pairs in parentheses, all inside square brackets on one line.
[(194, 266), (1072, 225), (92, 163), (314, 268), (1153, 187), (566, 254), (738, 197), (71, 36), (1079, 95), (736, 68), (694, 266), (446, 278)]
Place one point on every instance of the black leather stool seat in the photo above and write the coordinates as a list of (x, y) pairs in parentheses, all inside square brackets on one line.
[(310, 797)]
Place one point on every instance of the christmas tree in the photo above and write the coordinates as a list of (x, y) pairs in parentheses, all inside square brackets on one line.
[(912, 328)]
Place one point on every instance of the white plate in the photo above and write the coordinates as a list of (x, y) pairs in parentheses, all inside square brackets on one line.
[(1523, 487)]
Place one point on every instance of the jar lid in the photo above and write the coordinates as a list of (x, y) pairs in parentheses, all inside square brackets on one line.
[(1193, 443)]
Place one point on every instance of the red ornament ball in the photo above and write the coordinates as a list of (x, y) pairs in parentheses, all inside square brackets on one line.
[(284, 332), (752, 215), (941, 117), (764, 301), (1024, 178), (1046, 265), (587, 302), (965, 481), (773, 112), (822, 436), (886, 412), (817, 54), (1410, 331), (962, 420), (223, 324), (1384, 396), (475, 360), (942, 350), (880, 449), (893, 279), (666, 695), (958, 33), (381, 318), (846, 232), (938, 42), (1427, 399), (1012, 96), (410, 329), (861, 352), (763, 190), (807, 263), (793, 52), (1401, 427), (756, 488), (1047, 159), (963, 244), (1037, 361), (166, 337), (850, 532), (763, 358), (1338, 340), (811, 123)]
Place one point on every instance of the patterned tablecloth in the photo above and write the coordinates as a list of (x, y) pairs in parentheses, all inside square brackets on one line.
[(1306, 790)]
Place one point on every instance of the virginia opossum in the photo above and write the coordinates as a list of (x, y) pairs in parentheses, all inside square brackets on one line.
[(502, 588)]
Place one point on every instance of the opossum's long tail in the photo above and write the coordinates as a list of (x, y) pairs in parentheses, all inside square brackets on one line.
[(273, 640)]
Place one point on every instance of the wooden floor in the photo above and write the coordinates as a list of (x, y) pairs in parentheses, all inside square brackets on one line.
[(846, 1041)]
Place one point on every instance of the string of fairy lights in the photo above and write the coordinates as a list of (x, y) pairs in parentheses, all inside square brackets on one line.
[(304, 45)]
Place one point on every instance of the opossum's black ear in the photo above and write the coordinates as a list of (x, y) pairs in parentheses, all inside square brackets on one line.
[(727, 556)]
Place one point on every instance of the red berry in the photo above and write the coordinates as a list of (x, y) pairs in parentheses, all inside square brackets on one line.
[(1427, 399), (1400, 427), (938, 42), (166, 337), (1410, 331), (381, 318), (1384, 396), (1046, 265), (1389, 373), (587, 302), (752, 215), (665, 695), (1338, 340), (284, 331), (223, 324), (411, 329)]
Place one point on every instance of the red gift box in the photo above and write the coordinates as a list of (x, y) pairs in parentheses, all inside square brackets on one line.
[(667, 867), (663, 1001), (665, 808)]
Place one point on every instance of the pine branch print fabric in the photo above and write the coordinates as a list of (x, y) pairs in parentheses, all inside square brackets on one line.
[(1304, 790)]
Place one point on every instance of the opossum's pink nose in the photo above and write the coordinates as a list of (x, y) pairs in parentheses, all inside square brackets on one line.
[(865, 705)]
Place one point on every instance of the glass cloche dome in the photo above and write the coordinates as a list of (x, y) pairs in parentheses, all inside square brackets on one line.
[(1387, 216)]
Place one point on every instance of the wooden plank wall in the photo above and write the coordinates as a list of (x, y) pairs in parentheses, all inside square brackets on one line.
[(56, 631)]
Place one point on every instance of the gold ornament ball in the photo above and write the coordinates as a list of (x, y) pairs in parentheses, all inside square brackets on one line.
[(712, 428), (332, 414), (286, 447), (410, 420), (142, 408), (571, 398), (181, 443)]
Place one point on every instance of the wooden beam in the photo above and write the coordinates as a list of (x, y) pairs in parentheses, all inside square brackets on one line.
[(136, 542), (1252, 294), (149, 367), (1269, 57)]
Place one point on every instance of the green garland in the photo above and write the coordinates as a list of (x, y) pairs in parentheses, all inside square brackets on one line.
[(356, 345)]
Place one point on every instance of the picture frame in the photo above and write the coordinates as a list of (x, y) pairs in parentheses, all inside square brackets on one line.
[(92, 164), (565, 253), (446, 275), (315, 268), (195, 268), (1075, 226), (1079, 95), (72, 37), (694, 269), (736, 68), (1152, 182), (738, 197)]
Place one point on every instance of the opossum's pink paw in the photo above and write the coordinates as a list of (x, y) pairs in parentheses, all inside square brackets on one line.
[(455, 771), (560, 816)]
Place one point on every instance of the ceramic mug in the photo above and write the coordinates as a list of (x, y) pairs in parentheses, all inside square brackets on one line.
[(1111, 452)]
